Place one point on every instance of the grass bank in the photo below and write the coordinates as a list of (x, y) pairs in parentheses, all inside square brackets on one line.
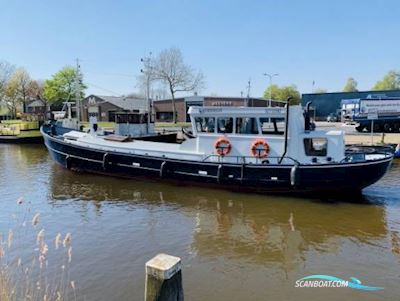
[(171, 124), (35, 133)]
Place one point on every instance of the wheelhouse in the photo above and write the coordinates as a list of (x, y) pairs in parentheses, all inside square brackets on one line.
[(135, 124), (287, 134), (248, 121)]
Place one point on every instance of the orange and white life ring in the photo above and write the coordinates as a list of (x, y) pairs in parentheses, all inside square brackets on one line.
[(260, 149), (223, 147)]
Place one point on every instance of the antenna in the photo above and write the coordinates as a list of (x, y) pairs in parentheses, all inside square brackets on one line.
[(248, 92)]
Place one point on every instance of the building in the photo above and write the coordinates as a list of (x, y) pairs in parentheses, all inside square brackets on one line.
[(36, 106), (109, 105), (327, 103), (163, 108)]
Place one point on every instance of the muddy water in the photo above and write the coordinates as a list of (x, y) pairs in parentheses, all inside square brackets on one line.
[(233, 246)]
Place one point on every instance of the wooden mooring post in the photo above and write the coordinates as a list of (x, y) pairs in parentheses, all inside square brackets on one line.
[(163, 279)]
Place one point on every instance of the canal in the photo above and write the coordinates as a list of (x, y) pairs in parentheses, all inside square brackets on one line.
[(233, 246)]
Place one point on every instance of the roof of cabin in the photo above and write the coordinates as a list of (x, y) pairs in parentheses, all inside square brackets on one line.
[(276, 112), (37, 103)]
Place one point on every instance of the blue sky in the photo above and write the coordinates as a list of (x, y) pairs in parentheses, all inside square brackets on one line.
[(229, 41)]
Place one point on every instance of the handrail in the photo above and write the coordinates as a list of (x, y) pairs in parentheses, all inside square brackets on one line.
[(242, 159), (349, 156)]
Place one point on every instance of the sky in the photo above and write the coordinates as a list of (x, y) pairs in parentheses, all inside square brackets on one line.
[(229, 41)]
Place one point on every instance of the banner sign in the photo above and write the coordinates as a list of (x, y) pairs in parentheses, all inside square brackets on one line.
[(382, 107)]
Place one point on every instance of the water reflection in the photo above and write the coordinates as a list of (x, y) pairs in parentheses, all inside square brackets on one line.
[(253, 227), (22, 155)]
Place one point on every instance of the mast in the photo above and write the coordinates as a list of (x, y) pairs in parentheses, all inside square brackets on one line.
[(147, 71), (248, 92), (78, 90)]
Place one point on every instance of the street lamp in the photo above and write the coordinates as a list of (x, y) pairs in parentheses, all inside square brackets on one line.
[(270, 85)]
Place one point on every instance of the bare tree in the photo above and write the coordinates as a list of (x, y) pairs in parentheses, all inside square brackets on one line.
[(6, 70), (157, 91), (12, 99), (170, 69), (36, 89), (17, 90), (22, 80)]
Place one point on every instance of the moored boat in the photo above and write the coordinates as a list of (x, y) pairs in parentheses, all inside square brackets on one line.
[(260, 149), (397, 151), (20, 131)]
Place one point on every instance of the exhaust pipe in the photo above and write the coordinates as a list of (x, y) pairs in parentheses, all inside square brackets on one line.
[(307, 123), (286, 128)]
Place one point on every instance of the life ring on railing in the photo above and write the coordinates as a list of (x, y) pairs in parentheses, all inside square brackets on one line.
[(260, 149), (223, 147)]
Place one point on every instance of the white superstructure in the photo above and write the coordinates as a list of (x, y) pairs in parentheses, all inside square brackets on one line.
[(242, 127)]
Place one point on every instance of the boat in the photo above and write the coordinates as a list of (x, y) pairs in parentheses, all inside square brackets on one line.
[(262, 149), (20, 131), (397, 151)]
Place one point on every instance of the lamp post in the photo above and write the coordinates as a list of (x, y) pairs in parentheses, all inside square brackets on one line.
[(270, 85)]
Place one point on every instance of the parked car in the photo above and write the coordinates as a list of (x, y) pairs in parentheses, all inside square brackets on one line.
[(332, 118)]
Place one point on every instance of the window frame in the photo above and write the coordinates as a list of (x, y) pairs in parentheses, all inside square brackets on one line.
[(255, 118), (203, 120), (274, 121), (217, 128), (310, 150)]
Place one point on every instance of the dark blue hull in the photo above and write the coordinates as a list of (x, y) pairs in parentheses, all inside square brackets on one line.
[(397, 152), (343, 177)]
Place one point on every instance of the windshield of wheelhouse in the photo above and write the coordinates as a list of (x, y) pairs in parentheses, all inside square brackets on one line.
[(272, 126)]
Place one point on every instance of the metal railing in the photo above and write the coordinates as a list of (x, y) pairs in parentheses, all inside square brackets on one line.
[(247, 159), (361, 156)]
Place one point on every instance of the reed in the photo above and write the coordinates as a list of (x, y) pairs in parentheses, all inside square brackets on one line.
[(291, 222), (25, 273)]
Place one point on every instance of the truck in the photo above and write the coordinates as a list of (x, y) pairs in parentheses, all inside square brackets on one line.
[(383, 113)]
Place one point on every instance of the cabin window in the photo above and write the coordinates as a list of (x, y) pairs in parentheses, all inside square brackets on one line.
[(246, 125), (272, 126), (225, 125), (316, 146), (164, 116), (111, 116), (205, 124), (122, 118), (143, 118), (134, 119), (131, 118)]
